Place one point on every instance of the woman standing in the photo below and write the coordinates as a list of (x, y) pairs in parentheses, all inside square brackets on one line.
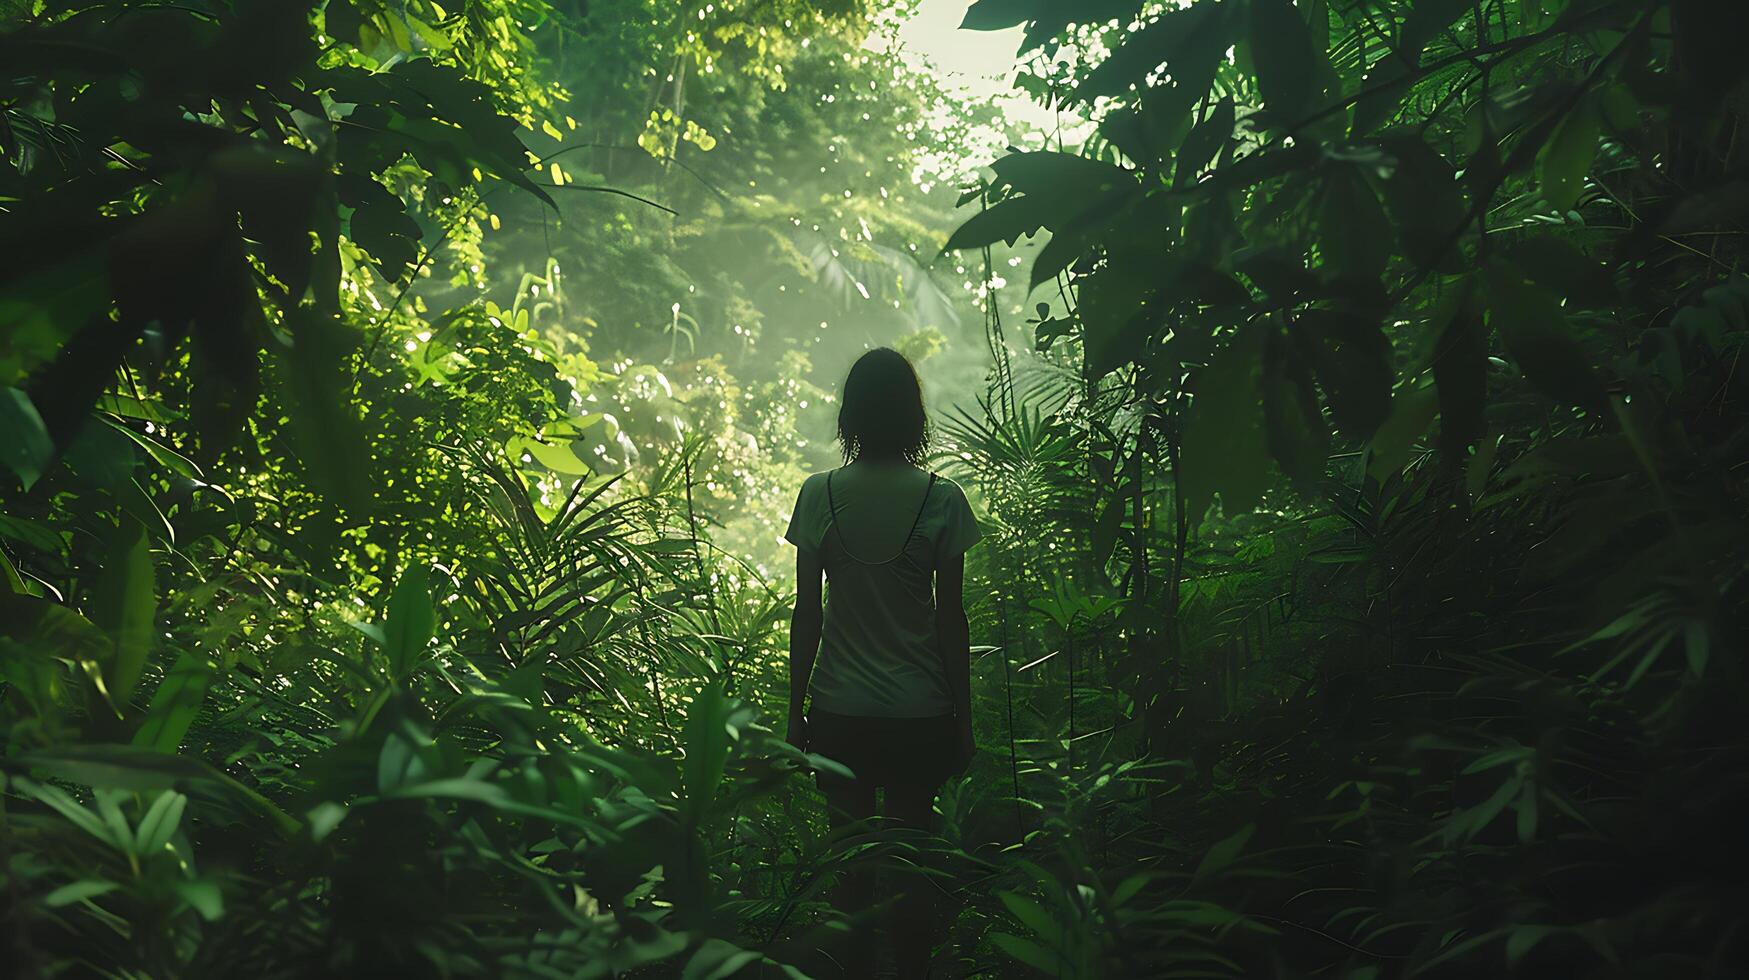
[(880, 679)]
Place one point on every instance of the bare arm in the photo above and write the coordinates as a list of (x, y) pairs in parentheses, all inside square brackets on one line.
[(804, 641), (954, 634)]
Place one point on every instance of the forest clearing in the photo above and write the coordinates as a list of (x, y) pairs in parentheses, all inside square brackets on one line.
[(402, 404)]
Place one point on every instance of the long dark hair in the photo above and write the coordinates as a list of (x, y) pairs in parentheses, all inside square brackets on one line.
[(880, 410)]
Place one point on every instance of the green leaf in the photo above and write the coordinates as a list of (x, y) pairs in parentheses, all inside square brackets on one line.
[(1189, 42), (1061, 252), (106, 766), (160, 822), (1412, 411), (1118, 309), (411, 622), (1032, 915), (1028, 952), (1353, 232), (1425, 21), (1460, 373), (1286, 61), (325, 426), (1523, 939), (1353, 360), (324, 817), (203, 896), (1225, 451), (455, 788), (124, 601), (101, 456), (175, 704), (1697, 645), (62, 802), (78, 891), (1567, 156), (1527, 812), (1004, 221), (434, 39), (1106, 527), (707, 748), (1554, 262), (1222, 855), (1385, 85), (717, 959), (1534, 329), (25, 446), (1205, 140), (161, 454), (379, 223), (1425, 203), (559, 457), (996, 15), (32, 534), (1293, 422)]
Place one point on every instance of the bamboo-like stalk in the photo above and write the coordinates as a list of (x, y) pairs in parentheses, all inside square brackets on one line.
[(1008, 697)]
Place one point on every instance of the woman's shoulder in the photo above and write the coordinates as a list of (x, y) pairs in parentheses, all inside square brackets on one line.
[(948, 489), (814, 484)]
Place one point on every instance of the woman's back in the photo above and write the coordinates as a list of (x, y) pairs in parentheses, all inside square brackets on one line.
[(879, 529)]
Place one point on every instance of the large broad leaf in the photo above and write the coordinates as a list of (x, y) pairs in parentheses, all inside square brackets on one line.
[(1567, 156), (175, 704), (1047, 962), (1286, 61), (1048, 190), (1225, 451), (1460, 372), (450, 123), (325, 426), (274, 191), (1187, 43), (707, 748), (559, 457), (1119, 307), (124, 600), (1224, 852), (1353, 231), (1384, 87), (380, 224), (1004, 221), (25, 447), (1107, 526), (1424, 22), (1204, 141), (412, 621), (996, 15), (1535, 331), (1293, 422), (1048, 173), (1353, 359), (1412, 411), (1150, 132), (1424, 201), (1556, 264)]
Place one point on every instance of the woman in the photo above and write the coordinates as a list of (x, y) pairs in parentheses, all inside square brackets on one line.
[(890, 690)]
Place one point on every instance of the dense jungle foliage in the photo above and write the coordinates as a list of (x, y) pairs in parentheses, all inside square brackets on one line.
[(401, 401)]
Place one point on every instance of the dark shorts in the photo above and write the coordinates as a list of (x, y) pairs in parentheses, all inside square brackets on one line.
[(887, 751)]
